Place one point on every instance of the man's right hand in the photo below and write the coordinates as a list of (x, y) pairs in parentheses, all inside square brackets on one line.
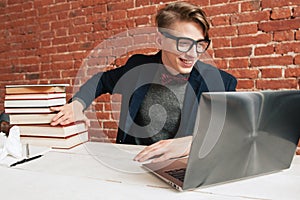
[(69, 113)]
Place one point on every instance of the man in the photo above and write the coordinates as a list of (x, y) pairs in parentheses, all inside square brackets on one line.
[(161, 93), (10, 143), (5, 124)]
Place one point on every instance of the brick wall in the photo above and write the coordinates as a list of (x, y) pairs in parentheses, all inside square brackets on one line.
[(47, 41)]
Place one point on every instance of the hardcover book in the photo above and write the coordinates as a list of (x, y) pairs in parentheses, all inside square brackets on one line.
[(57, 142), (35, 96), (31, 118), (46, 130), (39, 88), (34, 103)]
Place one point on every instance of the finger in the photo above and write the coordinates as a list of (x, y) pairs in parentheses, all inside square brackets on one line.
[(57, 116), (145, 151), (161, 158), (56, 108), (60, 118), (150, 154)]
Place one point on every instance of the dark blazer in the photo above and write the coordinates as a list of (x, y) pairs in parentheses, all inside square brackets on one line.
[(131, 81)]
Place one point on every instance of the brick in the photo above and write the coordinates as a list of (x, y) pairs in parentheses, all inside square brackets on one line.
[(284, 48), (142, 3), (219, 63), (223, 31), (118, 14), (276, 84), (220, 20), (233, 52), (61, 57), (264, 50), (213, 2), (283, 35), (9, 77), (239, 63), (251, 40), (281, 13), (245, 84), (268, 61), (247, 29), (103, 115), (296, 11), (120, 24), (278, 3), (201, 3), (292, 72), (120, 6), (221, 42), (110, 125), (222, 9), (244, 73), (67, 65), (297, 60), (142, 21), (250, 6), (271, 73), (42, 3), (63, 40), (279, 25), (298, 35), (80, 29), (149, 10), (59, 7), (250, 17)]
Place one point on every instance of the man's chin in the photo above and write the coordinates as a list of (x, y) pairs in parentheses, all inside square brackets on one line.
[(185, 70)]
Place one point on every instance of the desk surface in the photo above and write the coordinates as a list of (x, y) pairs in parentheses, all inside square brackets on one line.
[(107, 171)]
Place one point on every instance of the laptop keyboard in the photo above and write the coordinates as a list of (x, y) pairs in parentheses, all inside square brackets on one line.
[(177, 173)]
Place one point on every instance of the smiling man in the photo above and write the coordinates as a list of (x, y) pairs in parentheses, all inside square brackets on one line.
[(160, 92)]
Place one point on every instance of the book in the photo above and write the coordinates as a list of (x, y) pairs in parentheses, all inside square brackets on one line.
[(46, 130), (31, 118), (27, 110), (38, 88), (34, 103), (35, 96), (57, 142)]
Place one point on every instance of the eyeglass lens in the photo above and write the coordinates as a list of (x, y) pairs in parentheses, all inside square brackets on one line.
[(184, 45)]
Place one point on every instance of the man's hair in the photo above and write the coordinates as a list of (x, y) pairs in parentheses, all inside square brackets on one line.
[(182, 11)]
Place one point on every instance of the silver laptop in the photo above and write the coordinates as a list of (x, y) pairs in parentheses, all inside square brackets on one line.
[(237, 135)]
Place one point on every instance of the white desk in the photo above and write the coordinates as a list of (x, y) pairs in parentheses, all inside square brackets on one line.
[(106, 171)]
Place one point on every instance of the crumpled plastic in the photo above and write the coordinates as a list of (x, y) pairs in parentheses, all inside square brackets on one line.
[(11, 145)]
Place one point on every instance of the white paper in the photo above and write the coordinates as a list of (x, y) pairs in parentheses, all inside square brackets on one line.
[(12, 150)]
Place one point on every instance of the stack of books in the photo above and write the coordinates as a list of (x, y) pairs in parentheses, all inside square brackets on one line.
[(29, 107)]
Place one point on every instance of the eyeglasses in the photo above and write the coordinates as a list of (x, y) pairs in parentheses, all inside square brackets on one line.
[(185, 44)]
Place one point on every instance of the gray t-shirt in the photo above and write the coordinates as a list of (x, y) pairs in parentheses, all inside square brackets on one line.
[(160, 111)]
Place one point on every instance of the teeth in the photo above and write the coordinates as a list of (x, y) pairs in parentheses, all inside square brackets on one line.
[(186, 61)]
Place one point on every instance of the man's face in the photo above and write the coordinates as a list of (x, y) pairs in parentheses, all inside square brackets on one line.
[(176, 61), (4, 127)]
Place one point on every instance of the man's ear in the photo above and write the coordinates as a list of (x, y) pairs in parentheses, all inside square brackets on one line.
[(158, 39)]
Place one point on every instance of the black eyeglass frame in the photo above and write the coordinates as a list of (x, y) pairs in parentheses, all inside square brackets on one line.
[(194, 42)]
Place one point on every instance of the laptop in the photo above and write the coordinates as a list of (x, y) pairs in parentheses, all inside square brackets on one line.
[(237, 135)]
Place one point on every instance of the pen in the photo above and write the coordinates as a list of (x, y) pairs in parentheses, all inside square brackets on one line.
[(25, 160)]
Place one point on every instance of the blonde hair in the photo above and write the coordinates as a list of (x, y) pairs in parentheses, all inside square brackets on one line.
[(182, 11)]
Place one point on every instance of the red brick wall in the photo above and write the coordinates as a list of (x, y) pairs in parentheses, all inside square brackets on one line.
[(46, 41)]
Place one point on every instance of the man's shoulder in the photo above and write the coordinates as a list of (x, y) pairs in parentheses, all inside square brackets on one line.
[(138, 59)]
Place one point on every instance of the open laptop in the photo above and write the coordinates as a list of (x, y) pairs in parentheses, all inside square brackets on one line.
[(237, 135)]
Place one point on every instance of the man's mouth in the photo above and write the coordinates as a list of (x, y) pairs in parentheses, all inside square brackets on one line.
[(186, 63)]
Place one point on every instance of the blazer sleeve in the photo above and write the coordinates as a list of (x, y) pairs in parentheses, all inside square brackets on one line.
[(101, 83)]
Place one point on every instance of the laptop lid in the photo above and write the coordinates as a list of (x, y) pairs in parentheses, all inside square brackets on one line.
[(243, 134)]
